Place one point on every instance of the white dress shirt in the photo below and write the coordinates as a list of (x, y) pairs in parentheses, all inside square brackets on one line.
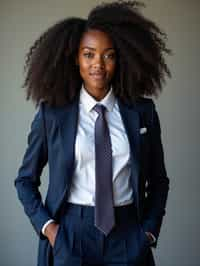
[(83, 182)]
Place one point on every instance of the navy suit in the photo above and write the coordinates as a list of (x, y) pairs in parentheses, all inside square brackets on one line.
[(52, 140)]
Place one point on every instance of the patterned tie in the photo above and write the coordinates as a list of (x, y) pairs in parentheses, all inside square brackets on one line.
[(104, 210)]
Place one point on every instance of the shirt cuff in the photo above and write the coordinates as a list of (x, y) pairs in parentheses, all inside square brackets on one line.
[(45, 225)]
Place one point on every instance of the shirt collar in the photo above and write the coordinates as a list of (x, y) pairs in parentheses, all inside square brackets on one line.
[(89, 102)]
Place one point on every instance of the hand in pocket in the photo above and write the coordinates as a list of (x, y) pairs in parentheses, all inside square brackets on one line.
[(51, 232)]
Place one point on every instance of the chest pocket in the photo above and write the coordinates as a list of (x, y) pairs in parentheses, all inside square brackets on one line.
[(144, 138)]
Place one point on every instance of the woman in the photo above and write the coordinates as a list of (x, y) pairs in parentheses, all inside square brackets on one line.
[(101, 137)]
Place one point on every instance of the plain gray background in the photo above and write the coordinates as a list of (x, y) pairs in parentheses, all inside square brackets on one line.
[(21, 22)]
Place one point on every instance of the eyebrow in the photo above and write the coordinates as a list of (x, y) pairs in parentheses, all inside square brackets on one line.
[(91, 48)]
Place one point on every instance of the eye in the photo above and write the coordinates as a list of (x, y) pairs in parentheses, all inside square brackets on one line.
[(110, 56), (88, 55)]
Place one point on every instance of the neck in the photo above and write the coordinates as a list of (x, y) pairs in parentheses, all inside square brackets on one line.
[(97, 94)]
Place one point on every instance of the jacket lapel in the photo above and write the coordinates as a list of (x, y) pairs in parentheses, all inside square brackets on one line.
[(131, 120), (67, 118)]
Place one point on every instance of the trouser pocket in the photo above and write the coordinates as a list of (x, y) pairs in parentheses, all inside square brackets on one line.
[(137, 243), (58, 240)]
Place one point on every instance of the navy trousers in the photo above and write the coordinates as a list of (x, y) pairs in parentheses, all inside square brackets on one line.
[(79, 242)]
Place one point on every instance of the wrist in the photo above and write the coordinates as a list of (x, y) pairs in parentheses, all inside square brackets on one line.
[(46, 224), (151, 237), (50, 228)]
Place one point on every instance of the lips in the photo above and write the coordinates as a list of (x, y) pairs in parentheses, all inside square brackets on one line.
[(98, 75)]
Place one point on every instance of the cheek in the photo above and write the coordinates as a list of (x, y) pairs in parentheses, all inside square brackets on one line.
[(111, 69), (83, 69)]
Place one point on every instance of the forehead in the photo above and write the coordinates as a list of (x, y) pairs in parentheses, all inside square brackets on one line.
[(96, 39)]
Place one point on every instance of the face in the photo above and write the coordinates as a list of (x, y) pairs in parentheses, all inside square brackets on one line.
[(96, 59)]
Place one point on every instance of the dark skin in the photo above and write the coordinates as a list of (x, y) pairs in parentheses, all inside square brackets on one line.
[(97, 61)]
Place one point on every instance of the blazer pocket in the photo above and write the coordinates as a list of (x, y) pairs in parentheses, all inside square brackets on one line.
[(144, 146), (144, 135)]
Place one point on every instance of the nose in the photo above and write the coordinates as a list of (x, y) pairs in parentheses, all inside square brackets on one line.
[(99, 62)]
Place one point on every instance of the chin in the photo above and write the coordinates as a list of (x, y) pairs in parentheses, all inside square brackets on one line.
[(99, 84)]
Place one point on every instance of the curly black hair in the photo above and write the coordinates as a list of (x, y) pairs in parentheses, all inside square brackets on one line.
[(53, 76)]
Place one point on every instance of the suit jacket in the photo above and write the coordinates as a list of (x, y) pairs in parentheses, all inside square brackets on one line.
[(52, 139)]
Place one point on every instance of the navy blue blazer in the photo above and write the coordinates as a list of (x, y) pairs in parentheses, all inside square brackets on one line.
[(52, 139)]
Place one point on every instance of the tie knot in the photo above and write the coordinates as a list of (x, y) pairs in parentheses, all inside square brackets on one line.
[(100, 109)]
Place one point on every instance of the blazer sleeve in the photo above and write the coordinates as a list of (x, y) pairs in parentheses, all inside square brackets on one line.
[(28, 179), (158, 182)]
